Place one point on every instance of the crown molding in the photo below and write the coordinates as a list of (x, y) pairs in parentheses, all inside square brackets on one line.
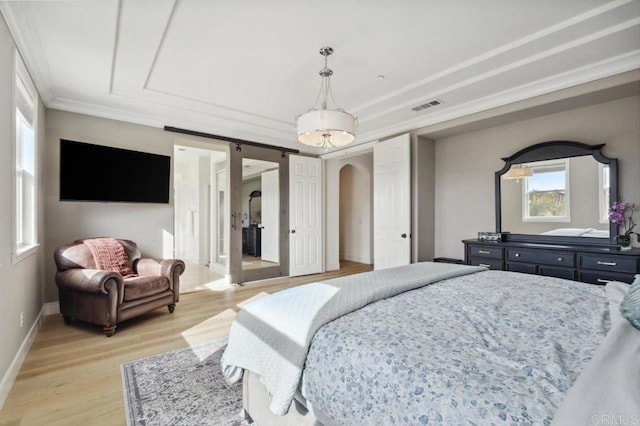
[(184, 120), (28, 44)]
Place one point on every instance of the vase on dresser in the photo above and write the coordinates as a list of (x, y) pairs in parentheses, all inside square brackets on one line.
[(624, 241)]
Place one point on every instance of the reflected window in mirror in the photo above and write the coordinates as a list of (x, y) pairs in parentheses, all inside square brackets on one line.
[(604, 184), (545, 194)]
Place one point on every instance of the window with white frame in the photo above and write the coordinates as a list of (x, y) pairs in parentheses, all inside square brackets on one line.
[(603, 193), (546, 192), (25, 168)]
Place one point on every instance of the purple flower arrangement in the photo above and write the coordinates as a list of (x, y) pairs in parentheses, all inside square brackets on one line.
[(617, 214)]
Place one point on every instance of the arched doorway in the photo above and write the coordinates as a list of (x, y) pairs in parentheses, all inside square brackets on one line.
[(355, 214)]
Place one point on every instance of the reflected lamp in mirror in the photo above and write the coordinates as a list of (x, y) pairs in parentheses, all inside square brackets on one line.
[(518, 172)]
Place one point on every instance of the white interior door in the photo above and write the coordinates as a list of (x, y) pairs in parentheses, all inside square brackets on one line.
[(392, 202), (270, 216), (305, 215)]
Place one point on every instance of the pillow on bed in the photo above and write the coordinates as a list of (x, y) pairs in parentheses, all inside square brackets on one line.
[(630, 306)]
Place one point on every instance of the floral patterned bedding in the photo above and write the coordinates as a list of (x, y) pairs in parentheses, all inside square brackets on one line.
[(487, 348)]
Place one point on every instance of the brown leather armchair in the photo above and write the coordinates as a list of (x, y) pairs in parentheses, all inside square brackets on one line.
[(107, 298)]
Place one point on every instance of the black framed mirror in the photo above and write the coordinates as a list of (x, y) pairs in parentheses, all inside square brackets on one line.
[(255, 213), (557, 192)]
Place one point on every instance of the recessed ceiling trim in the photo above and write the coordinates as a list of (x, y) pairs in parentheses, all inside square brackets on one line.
[(160, 44), (498, 51), (512, 70), (142, 91), (517, 64), (285, 128), (133, 69), (220, 107), (116, 45), (625, 63)]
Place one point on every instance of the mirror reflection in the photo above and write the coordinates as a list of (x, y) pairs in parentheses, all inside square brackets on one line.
[(260, 214), (562, 197), (221, 217)]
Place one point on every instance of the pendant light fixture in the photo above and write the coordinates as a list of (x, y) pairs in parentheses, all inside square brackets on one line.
[(324, 127)]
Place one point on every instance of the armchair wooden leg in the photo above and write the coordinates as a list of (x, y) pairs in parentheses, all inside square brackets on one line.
[(172, 307), (109, 330), (67, 320)]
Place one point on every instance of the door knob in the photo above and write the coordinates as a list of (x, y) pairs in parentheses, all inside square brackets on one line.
[(293, 231), (404, 235)]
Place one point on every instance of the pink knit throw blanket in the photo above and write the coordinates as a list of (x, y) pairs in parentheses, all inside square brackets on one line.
[(109, 255)]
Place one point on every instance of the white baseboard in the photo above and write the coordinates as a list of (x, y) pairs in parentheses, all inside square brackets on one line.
[(50, 308), (332, 267), (359, 259), (13, 370)]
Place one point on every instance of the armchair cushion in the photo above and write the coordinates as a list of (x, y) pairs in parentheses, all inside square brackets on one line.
[(143, 286)]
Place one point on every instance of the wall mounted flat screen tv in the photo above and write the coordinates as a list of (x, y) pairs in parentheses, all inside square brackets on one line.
[(100, 173)]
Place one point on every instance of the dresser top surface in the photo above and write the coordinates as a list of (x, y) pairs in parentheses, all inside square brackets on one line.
[(613, 250)]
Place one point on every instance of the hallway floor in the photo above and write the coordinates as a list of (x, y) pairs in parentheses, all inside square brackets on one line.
[(199, 277)]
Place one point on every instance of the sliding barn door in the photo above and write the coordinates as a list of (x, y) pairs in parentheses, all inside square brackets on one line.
[(305, 215), (392, 202)]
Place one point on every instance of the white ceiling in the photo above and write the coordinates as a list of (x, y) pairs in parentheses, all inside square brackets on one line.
[(246, 68)]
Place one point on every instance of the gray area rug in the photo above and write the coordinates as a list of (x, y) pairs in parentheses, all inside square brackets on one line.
[(182, 387)]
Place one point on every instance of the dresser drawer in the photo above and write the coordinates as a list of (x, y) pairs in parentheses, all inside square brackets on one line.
[(609, 263), (547, 257), (484, 251), (487, 263), (603, 277), (550, 271), (527, 268)]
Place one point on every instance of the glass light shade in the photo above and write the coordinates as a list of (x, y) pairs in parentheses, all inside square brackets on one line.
[(518, 172), (313, 127)]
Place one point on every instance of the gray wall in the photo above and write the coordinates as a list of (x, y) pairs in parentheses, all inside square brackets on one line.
[(422, 199), (21, 285), (465, 164)]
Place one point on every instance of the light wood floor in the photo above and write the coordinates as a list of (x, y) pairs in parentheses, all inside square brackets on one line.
[(71, 375), (197, 277)]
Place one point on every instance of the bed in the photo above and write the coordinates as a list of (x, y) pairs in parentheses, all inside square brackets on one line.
[(435, 344), (578, 232)]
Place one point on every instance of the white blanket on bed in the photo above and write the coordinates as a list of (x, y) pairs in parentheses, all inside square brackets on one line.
[(271, 336), (607, 392)]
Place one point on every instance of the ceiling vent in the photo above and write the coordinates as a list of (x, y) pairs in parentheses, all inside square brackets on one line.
[(426, 105)]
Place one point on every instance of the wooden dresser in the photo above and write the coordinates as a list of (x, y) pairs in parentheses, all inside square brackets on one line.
[(252, 241), (590, 264)]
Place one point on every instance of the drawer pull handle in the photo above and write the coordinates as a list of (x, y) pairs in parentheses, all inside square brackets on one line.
[(606, 263), (559, 259), (517, 255), (484, 252), (600, 280), (484, 264)]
